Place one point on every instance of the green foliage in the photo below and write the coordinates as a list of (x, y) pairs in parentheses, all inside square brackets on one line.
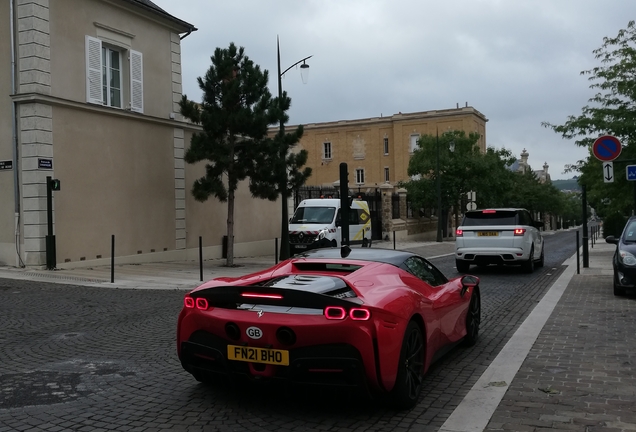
[(270, 177), (234, 114), (613, 224), (611, 112), (465, 168), (572, 209), (459, 155)]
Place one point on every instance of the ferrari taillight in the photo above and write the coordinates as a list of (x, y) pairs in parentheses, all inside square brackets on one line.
[(335, 312), (340, 313), (359, 314), (520, 231), (199, 303), (459, 233), (202, 303)]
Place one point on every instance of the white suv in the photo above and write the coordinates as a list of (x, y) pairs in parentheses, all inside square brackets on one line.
[(499, 236)]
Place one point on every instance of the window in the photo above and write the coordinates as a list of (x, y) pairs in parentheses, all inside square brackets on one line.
[(322, 215), (326, 153), (111, 77), (386, 174), (107, 76), (422, 269), (355, 217), (359, 175), (386, 146), (413, 145)]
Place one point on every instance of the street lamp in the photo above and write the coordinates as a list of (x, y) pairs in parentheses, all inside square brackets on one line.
[(439, 191), (284, 229)]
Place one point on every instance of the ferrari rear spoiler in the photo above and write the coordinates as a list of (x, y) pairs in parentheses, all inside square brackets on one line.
[(228, 297)]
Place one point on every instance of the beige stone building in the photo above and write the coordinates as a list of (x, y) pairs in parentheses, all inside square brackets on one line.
[(377, 150), (88, 95)]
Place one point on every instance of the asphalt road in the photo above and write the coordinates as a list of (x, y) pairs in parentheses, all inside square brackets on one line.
[(94, 359)]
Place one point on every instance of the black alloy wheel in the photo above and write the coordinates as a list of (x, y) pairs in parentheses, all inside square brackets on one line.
[(618, 290), (542, 259), (528, 266), (410, 374), (473, 320), (462, 266)]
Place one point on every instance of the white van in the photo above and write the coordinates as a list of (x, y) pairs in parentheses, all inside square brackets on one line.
[(316, 224)]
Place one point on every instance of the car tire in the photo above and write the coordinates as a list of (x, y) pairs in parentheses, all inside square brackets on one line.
[(473, 320), (541, 261), (410, 373), (528, 266), (618, 290), (462, 266), (202, 378)]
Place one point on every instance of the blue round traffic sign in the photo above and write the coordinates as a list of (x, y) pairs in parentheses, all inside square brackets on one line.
[(606, 148)]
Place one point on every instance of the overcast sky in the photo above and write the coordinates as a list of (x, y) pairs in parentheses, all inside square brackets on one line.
[(516, 61)]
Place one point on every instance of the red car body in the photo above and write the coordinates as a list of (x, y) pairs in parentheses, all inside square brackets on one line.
[(376, 318)]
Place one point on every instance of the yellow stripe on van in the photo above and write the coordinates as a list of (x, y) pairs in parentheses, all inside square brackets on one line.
[(365, 217)]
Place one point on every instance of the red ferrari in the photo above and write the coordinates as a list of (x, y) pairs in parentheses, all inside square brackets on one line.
[(377, 318)]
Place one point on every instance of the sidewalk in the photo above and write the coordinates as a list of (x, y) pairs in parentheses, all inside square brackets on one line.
[(571, 365), (184, 275)]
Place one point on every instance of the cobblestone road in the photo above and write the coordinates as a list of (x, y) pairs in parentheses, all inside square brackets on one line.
[(95, 359)]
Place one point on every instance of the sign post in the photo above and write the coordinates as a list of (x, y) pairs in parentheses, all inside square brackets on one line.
[(606, 148), (630, 173), (472, 197)]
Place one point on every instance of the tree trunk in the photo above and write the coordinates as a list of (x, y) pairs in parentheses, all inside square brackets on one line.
[(231, 188), (230, 229)]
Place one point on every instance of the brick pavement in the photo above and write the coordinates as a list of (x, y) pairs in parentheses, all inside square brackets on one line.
[(578, 374), (581, 372)]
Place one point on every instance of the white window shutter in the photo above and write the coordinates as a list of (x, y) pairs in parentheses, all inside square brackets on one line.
[(136, 82), (94, 71)]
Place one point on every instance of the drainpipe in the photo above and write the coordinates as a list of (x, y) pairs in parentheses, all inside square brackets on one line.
[(14, 138)]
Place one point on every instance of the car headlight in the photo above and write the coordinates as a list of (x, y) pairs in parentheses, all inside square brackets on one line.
[(321, 235), (626, 258)]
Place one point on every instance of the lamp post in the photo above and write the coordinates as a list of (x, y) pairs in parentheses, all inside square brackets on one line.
[(284, 229), (439, 192)]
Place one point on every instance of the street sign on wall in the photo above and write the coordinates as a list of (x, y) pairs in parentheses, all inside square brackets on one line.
[(606, 148)]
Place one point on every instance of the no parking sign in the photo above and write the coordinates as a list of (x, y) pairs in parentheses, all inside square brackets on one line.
[(606, 148)]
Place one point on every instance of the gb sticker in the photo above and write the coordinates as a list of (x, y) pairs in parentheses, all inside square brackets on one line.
[(254, 332)]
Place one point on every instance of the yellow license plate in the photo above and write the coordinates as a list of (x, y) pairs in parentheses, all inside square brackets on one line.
[(258, 355), (487, 234)]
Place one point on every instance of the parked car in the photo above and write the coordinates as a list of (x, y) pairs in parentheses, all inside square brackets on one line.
[(499, 236), (624, 261), (375, 319), (316, 223)]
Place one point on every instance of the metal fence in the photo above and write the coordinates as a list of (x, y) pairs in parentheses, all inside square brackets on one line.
[(308, 192)]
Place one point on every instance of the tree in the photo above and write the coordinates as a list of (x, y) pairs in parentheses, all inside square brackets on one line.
[(266, 181), (612, 111), (462, 168), (234, 114)]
